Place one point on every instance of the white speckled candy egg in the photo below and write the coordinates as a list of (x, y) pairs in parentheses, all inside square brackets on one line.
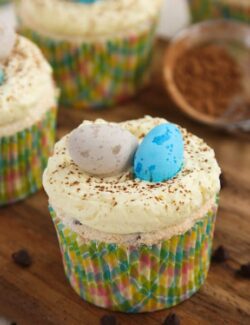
[(7, 38), (102, 149)]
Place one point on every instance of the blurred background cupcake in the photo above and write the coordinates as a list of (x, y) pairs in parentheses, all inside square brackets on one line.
[(100, 50), (28, 100), (232, 9)]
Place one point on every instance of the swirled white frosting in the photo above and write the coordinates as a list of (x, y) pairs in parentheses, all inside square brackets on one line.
[(124, 205), (104, 17), (28, 89)]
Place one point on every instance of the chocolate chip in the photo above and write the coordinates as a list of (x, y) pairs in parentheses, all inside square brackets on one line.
[(22, 258), (244, 271), (172, 319), (77, 222), (13, 323), (108, 320), (220, 255), (223, 181)]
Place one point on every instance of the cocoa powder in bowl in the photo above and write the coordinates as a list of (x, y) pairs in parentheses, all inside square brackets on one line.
[(209, 78)]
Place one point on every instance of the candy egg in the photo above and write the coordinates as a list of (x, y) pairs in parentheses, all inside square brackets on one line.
[(160, 155), (7, 38), (102, 149)]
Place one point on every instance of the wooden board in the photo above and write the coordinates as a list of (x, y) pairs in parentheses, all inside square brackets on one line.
[(42, 295)]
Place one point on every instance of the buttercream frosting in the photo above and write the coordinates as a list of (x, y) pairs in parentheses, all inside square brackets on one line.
[(122, 204), (28, 90), (61, 19)]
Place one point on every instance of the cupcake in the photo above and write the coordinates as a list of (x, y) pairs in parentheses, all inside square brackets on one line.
[(134, 206), (28, 100), (100, 50), (231, 9)]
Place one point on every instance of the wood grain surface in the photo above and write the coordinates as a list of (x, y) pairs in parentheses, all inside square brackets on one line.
[(41, 295)]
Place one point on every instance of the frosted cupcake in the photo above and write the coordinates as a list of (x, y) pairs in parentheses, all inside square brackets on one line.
[(135, 222), (28, 112), (232, 9), (100, 51)]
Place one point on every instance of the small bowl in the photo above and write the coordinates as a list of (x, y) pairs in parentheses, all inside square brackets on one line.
[(227, 34)]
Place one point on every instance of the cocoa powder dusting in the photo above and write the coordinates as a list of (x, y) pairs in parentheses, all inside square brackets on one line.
[(209, 78)]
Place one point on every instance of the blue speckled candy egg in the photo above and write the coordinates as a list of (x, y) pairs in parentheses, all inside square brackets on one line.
[(160, 155)]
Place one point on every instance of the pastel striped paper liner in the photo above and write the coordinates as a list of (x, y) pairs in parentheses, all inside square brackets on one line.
[(208, 9), (23, 157), (101, 73), (138, 279)]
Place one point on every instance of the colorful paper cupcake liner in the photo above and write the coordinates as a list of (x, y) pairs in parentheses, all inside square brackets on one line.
[(208, 9), (101, 73), (23, 157), (137, 279)]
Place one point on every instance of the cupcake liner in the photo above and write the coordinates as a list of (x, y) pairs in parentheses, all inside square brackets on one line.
[(207, 9), (99, 73), (23, 157), (137, 279)]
